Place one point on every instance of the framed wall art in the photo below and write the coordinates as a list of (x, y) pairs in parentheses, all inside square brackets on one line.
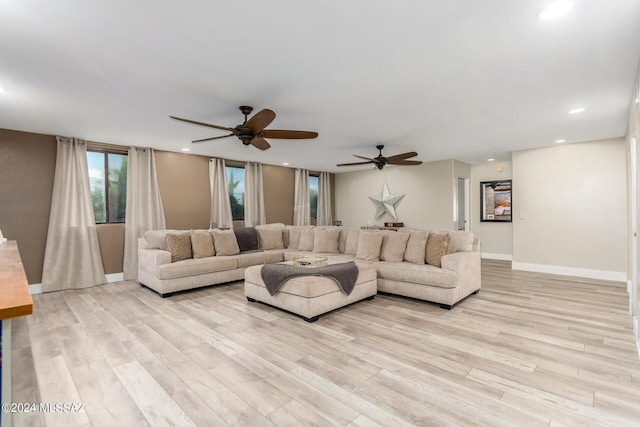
[(495, 201)]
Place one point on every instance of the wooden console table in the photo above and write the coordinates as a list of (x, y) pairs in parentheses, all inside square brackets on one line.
[(15, 301)]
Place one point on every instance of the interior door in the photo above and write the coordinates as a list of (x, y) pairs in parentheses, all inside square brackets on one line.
[(463, 204)]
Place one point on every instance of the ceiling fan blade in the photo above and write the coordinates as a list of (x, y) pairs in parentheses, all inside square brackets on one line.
[(260, 120), (404, 162), (288, 134), (402, 156), (361, 157), (212, 138), (260, 143), (354, 164), (201, 123)]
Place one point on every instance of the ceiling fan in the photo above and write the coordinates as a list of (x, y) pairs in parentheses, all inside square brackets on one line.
[(380, 161), (252, 131)]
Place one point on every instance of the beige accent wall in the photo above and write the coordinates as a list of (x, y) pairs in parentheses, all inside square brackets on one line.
[(184, 187), (111, 240), (27, 168), (428, 189), (278, 184), (570, 207), (497, 237)]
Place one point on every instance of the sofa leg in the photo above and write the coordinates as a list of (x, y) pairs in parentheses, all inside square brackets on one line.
[(312, 319), (446, 306), (476, 292), (370, 298), (250, 299)]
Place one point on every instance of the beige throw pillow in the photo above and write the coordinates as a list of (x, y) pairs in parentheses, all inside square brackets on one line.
[(351, 244), (461, 241), (369, 244), (225, 242), (393, 246), (294, 235), (179, 244), (437, 246), (306, 239), (270, 238), (202, 244), (416, 247), (326, 241)]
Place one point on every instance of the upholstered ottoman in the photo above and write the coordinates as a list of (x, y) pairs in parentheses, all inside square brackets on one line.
[(310, 296)]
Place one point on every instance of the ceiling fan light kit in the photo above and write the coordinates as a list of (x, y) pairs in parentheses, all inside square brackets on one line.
[(252, 131), (381, 161)]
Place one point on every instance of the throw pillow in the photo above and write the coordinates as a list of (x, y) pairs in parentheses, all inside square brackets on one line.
[(326, 241), (225, 242), (294, 236), (342, 240), (369, 244), (306, 239), (247, 238), (393, 246), (437, 246), (461, 241), (270, 238), (202, 244), (416, 247), (351, 244), (179, 244), (156, 239)]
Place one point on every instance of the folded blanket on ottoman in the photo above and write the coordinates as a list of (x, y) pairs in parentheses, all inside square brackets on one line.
[(344, 274)]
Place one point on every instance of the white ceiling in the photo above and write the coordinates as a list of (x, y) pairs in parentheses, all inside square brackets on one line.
[(459, 79)]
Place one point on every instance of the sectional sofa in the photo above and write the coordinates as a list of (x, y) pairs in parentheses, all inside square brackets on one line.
[(441, 267)]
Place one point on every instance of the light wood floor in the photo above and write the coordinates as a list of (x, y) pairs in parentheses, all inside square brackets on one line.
[(529, 349)]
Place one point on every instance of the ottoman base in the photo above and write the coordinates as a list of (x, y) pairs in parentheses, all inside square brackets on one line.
[(310, 296)]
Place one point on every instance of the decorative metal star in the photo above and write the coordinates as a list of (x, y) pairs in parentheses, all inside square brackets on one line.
[(386, 202)]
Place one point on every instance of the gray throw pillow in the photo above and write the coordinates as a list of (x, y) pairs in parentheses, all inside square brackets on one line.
[(247, 238)]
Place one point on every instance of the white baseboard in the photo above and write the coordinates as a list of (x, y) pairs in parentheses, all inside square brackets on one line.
[(501, 257), (629, 287), (616, 276), (111, 278)]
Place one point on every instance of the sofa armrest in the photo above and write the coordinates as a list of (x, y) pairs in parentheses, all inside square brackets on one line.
[(467, 266), (151, 259)]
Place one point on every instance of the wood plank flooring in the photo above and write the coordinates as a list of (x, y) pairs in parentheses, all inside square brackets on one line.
[(530, 349)]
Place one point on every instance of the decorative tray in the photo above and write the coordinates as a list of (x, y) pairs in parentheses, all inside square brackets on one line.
[(310, 261)]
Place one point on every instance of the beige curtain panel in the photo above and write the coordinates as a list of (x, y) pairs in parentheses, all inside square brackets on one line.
[(220, 204), (72, 255), (254, 213), (324, 199), (144, 205), (301, 202)]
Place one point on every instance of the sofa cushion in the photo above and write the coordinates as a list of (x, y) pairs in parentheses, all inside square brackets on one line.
[(270, 238), (247, 238), (293, 232), (195, 267), (369, 244), (393, 246), (461, 241), (247, 259), (437, 247), (416, 246), (342, 239), (179, 244), (306, 239), (419, 274), (225, 242), (202, 243), (156, 239), (351, 244), (326, 241)]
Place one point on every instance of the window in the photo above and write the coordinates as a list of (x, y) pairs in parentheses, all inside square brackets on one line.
[(108, 183), (313, 194), (235, 181)]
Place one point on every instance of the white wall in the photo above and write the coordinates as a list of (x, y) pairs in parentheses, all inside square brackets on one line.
[(428, 202), (497, 237), (570, 210)]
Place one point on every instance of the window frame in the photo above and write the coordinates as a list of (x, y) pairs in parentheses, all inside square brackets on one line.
[(241, 167), (105, 168), (317, 177)]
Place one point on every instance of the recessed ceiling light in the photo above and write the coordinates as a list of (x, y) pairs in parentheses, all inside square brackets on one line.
[(285, 164), (185, 149), (555, 10), (576, 110), (491, 160), (560, 141)]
